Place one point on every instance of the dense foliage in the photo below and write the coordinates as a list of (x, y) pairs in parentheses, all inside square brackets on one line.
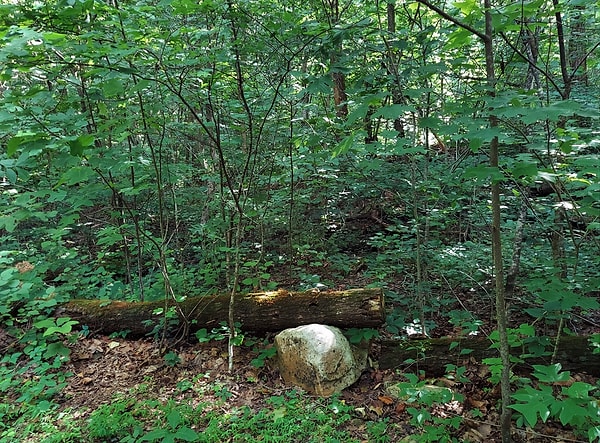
[(161, 149)]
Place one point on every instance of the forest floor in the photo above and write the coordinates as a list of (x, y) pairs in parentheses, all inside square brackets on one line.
[(105, 368)]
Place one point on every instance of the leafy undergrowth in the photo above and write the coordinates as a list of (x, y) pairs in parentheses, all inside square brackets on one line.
[(127, 391)]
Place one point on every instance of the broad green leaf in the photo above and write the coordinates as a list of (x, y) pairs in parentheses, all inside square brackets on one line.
[(589, 163), (430, 122), (155, 435), (358, 113), (533, 402), (78, 145), (8, 222), (572, 413), (187, 434), (525, 170), (484, 172), (13, 144), (53, 37), (531, 410), (550, 373), (558, 109), (321, 84), (126, 70), (525, 330), (185, 6), (55, 349), (112, 87), (46, 323), (174, 418), (86, 140), (140, 85), (57, 196), (392, 111), (467, 7), (343, 147), (11, 175), (458, 39), (548, 176), (75, 175), (109, 236), (475, 143), (594, 431), (579, 390), (21, 139)]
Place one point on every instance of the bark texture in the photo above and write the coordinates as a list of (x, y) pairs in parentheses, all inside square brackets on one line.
[(432, 355), (257, 312)]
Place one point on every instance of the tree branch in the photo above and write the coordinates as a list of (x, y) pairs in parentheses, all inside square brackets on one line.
[(454, 20), (531, 63)]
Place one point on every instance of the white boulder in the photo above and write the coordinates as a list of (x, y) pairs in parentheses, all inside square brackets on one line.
[(319, 359)]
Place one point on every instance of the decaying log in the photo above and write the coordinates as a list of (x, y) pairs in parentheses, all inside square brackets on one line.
[(432, 355), (257, 312)]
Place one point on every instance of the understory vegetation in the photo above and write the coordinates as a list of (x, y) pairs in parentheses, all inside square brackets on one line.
[(447, 152)]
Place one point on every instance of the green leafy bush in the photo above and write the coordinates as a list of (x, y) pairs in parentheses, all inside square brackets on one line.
[(424, 396), (554, 396), (114, 420)]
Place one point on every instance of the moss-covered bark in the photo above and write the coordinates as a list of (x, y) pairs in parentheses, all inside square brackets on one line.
[(257, 312)]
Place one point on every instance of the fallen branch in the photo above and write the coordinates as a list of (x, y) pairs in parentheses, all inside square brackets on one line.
[(432, 355)]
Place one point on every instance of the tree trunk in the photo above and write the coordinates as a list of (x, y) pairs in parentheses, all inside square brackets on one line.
[(432, 355), (257, 312), (340, 98), (496, 238)]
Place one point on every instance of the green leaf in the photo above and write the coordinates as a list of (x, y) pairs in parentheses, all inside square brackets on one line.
[(126, 70), (460, 38), (558, 109), (358, 113), (475, 143), (594, 432), (550, 373), (62, 325), (112, 87), (572, 413), (525, 170), (343, 147), (78, 145), (484, 172), (13, 144), (55, 349), (579, 390), (431, 123), (316, 85), (187, 434), (75, 175), (10, 175), (530, 412), (174, 418), (46, 323), (467, 7), (393, 111), (155, 435), (534, 402), (7, 222)]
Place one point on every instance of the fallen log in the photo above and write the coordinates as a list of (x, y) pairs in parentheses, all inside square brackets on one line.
[(257, 312), (432, 355)]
